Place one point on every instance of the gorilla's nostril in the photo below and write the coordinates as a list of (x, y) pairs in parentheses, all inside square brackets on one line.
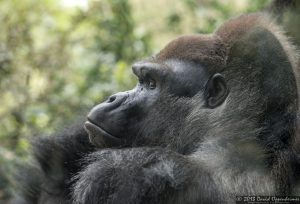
[(112, 99)]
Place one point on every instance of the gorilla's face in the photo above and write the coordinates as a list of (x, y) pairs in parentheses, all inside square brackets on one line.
[(160, 98)]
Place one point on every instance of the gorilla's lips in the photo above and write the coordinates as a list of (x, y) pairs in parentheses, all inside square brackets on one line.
[(98, 136)]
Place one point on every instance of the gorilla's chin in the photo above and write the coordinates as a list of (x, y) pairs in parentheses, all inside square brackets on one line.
[(99, 137)]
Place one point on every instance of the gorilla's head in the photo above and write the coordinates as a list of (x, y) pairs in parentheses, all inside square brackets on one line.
[(236, 84)]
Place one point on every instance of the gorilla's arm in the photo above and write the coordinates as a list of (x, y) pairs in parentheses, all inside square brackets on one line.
[(56, 160), (143, 175), (62, 150)]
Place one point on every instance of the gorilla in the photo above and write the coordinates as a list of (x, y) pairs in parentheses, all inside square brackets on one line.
[(212, 117)]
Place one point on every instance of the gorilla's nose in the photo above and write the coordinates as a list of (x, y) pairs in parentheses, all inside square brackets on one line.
[(116, 99), (100, 112), (112, 98)]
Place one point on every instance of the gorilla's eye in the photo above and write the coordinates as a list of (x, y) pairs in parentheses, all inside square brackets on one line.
[(148, 82), (151, 84)]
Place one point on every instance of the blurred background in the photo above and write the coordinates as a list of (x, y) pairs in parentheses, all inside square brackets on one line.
[(58, 58)]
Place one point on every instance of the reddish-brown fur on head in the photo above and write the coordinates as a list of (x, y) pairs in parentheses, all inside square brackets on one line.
[(213, 50), (234, 29), (205, 49)]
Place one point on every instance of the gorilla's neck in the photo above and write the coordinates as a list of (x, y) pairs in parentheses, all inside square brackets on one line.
[(234, 137)]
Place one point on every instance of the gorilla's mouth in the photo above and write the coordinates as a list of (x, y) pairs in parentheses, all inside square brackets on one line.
[(98, 136)]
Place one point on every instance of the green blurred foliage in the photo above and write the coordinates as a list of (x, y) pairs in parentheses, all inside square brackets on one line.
[(290, 19), (57, 61)]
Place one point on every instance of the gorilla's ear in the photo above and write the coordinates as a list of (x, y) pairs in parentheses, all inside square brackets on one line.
[(216, 91)]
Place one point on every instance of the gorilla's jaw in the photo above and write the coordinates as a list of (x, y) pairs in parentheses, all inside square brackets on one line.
[(99, 136)]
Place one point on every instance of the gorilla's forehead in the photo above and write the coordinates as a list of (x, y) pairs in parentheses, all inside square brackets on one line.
[(176, 68), (187, 74), (186, 68)]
